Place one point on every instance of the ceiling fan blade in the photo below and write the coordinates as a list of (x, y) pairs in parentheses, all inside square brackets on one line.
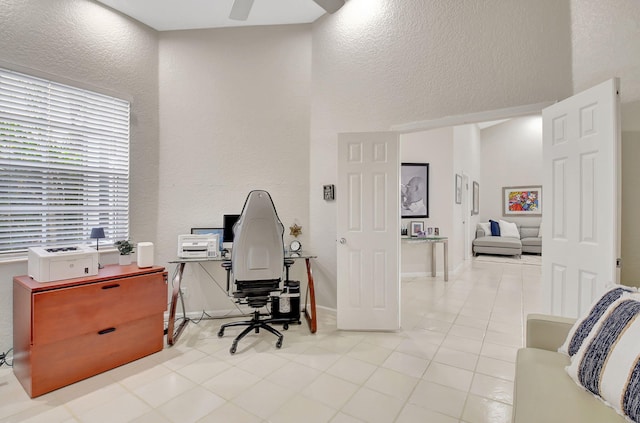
[(240, 10), (331, 6)]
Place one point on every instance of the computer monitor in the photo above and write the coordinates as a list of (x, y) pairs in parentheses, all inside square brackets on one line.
[(228, 221)]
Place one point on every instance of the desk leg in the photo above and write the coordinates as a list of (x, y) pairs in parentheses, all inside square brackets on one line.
[(433, 259), (172, 336), (312, 319), (445, 245)]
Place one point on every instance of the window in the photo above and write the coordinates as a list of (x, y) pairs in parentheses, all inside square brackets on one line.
[(64, 164)]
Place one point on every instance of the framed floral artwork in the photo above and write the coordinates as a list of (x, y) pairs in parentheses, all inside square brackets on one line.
[(522, 201)]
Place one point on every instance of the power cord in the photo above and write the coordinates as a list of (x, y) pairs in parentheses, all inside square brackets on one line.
[(4, 360)]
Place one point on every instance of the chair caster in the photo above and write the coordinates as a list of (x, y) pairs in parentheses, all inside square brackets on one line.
[(221, 333), (233, 348), (285, 326), (279, 343)]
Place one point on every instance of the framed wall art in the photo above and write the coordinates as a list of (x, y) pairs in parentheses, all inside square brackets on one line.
[(329, 192), (458, 189), (476, 198), (522, 201), (414, 190)]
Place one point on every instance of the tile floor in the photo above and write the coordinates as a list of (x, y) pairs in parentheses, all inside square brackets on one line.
[(451, 362)]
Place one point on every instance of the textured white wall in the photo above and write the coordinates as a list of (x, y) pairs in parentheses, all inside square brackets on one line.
[(511, 156), (436, 148), (234, 116), (377, 63), (82, 43), (606, 43), (467, 161)]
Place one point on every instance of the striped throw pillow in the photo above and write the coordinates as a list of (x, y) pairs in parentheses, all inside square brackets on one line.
[(583, 326), (608, 362)]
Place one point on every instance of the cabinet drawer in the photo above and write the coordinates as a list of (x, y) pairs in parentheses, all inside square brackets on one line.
[(68, 312), (62, 363)]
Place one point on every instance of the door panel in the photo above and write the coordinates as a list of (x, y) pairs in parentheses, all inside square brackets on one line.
[(368, 231), (581, 139)]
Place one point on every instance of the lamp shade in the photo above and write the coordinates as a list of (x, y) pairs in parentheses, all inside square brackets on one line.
[(97, 233)]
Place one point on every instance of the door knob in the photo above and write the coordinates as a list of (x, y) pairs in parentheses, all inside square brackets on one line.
[(343, 241)]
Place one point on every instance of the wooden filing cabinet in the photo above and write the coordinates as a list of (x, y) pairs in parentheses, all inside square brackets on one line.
[(69, 330)]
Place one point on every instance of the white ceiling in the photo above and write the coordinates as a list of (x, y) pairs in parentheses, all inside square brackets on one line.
[(166, 15)]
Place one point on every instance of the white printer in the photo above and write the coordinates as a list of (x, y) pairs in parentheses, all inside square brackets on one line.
[(198, 246), (48, 264)]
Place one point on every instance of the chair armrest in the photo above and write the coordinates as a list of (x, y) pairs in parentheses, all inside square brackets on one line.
[(547, 332)]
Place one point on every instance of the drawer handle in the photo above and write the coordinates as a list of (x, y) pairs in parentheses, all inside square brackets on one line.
[(106, 331), (115, 285)]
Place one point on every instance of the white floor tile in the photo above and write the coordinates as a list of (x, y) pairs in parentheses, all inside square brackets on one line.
[(164, 389), (294, 375), (392, 383), (370, 353), (453, 377), (229, 412), (123, 409), (352, 370), (303, 409), (413, 414), (330, 390), (191, 406), (496, 368), (439, 398), (231, 383), (406, 363), (483, 410), (453, 361), (456, 358), (264, 398), (373, 407), (345, 418), (492, 388)]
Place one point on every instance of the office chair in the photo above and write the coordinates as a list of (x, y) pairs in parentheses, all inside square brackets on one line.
[(257, 261)]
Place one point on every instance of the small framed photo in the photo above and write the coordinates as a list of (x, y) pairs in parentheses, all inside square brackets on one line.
[(212, 231), (458, 189), (329, 192), (417, 228), (522, 201)]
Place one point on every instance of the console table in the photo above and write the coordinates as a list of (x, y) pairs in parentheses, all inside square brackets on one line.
[(68, 330), (174, 333), (433, 240)]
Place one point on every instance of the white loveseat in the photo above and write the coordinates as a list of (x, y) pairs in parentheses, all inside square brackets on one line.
[(529, 242), (543, 391)]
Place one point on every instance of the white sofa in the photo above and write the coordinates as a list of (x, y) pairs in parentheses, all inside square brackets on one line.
[(529, 242), (543, 391)]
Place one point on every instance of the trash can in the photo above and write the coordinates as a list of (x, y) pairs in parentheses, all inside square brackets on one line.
[(287, 304)]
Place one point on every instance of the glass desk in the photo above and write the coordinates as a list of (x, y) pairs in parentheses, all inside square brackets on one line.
[(174, 333), (433, 240)]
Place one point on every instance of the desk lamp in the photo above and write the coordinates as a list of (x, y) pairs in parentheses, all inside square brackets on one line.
[(97, 233)]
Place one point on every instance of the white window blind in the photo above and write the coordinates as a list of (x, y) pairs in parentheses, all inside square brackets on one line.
[(64, 164)]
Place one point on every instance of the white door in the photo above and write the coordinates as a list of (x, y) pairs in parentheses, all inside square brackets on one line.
[(368, 231), (581, 242)]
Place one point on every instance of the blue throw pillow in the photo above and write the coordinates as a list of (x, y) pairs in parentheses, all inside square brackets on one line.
[(495, 228)]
